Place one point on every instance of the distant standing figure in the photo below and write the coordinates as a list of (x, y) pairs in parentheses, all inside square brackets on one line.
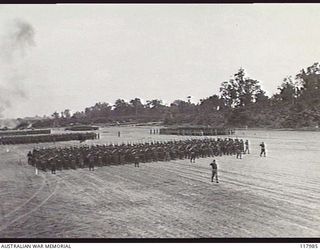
[(192, 157), (91, 163), (136, 161), (214, 167), (238, 152), (263, 149), (53, 170), (247, 147), (30, 158), (52, 164), (118, 133)]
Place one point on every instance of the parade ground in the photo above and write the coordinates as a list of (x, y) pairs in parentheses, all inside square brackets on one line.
[(273, 196)]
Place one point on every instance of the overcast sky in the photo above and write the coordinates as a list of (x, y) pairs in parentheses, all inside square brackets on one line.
[(83, 54)]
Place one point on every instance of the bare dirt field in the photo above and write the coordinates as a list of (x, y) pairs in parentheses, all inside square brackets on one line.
[(276, 196)]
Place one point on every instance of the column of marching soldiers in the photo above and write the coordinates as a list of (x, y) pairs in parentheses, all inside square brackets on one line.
[(73, 157)]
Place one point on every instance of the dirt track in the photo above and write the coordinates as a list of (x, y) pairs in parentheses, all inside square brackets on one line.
[(276, 196)]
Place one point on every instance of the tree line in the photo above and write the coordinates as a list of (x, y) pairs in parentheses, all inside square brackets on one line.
[(240, 102)]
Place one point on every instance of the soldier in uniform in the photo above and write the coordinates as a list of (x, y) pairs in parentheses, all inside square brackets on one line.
[(263, 149), (238, 150), (58, 162), (100, 161), (30, 158), (247, 147), (52, 165), (91, 162), (192, 156), (81, 161), (214, 167), (136, 160), (241, 146)]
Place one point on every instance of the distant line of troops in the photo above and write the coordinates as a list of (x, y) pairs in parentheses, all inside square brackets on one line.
[(24, 132), (26, 139), (58, 158), (197, 131)]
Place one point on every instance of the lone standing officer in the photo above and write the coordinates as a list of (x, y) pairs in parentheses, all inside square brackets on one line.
[(214, 167), (263, 149)]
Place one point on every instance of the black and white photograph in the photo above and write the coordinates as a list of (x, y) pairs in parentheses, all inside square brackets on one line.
[(159, 121)]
